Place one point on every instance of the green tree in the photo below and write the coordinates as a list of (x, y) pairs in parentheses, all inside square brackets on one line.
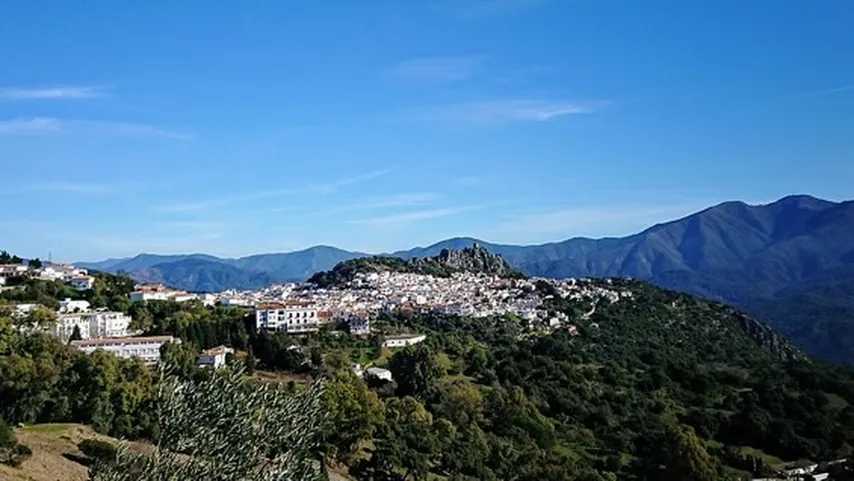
[(75, 335), (41, 318), (687, 456), (409, 439), (354, 414), (461, 402), (416, 370), (7, 435)]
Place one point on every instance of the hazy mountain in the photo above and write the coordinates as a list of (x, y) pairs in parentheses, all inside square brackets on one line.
[(296, 266), (141, 262), (204, 273), (790, 262)]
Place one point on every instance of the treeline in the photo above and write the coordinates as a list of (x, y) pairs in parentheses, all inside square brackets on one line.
[(6, 258), (44, 380)]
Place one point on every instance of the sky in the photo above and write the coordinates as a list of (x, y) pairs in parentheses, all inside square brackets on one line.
[(235, 128)]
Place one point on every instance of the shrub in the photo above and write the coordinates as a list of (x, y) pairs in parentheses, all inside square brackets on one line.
[(98, 450)]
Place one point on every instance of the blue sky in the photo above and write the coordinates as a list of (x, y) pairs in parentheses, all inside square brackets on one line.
[(272, 126)]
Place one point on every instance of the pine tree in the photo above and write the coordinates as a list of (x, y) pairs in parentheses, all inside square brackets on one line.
[(75, 335)]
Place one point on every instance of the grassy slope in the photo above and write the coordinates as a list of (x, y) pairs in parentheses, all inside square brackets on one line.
[(49, 442)]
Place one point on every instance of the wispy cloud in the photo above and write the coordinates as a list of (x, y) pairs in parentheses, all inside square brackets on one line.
[(412, 216), (31, 126), (131, 129), (504, 111), (830, 91), (319, 188), (398, 200), (436, 69), (72, 187), (50, 125), (51, 93), (327, 187)]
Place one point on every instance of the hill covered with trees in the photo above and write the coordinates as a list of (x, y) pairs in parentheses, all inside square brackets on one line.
[(664, 386)]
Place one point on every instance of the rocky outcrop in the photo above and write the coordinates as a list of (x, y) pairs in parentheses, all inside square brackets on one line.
[(471, 259)]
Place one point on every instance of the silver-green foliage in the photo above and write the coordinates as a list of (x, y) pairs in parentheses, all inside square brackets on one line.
[(226, 428)]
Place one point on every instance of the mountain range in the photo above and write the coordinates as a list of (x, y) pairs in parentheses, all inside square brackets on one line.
[(790, 262)]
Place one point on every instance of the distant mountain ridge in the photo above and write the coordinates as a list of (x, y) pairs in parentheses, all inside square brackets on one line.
[(790, 262), (206, 273)]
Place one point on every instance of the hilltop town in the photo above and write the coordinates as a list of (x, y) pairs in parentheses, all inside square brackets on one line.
[(470, 282)]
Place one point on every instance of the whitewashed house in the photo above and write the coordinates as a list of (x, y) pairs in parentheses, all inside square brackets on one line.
[(69, 305), (403, 340), (82, 283), (215, 357), (378, 373)]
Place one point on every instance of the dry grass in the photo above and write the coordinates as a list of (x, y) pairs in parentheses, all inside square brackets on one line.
[(49, 442)]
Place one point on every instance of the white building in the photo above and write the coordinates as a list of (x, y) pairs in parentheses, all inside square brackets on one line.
[(214, 357), (207, 299), (94, 324), (82, 283), (378, 373), (290, 317), (23, 310), (13, 270), (403, 340), (69, 305), (159, 292), (145, 348), (235, 301), (149, 292), (50, 273)]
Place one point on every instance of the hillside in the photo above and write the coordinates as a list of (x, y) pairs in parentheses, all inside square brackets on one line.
[(790, 262), (633, 383), (624, 394), (53, 447)]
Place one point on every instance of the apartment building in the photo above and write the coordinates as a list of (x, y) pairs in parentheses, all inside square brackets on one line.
[(92, 324), (290, 317), (145, 348)]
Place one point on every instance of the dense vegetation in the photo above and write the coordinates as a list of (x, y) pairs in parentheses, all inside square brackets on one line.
[(666, 387), (661, 387), (42, 380)]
